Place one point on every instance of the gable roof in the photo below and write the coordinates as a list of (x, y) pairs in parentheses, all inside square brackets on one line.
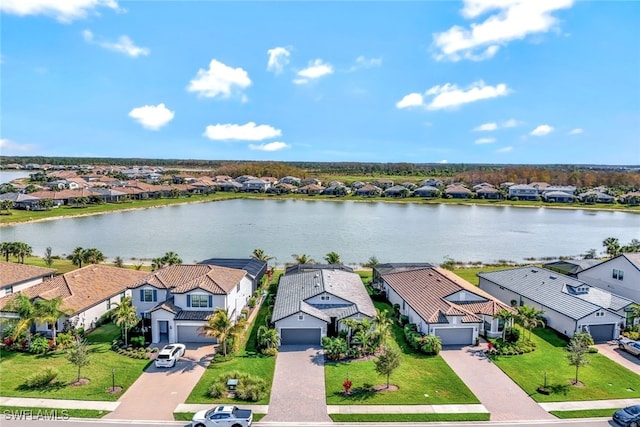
[(632, 257), (12, 273), (294, 290), (556, 291), (426, 291), (571, 266), (182, 278), (82, 288), (254, 267)]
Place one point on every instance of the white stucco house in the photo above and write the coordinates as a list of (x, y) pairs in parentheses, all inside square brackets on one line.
[(440, 303), (15, 277), (311, 304), (87, 293), (568, 305), (619, 275), (178, 300)]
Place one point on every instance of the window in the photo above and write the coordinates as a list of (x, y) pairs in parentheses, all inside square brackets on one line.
[(618, 274), (199, 301), (300, 316), (325, 297), (238, 287), (108, 304), (9, 290), (148, 295), (599, 313)]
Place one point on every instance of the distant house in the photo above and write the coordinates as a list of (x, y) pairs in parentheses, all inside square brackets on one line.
[(311, 189), (383, 183), (488, 193), (309, 181), (481, 186), (397, 191), (458, 192), (284, 188), (569, 189), (593, 196), (337, 190), (632, 198), (358, 184), (16, 277), (570, 267), (442, 304), (244, 178), (619, 275), (540, 186), (289, 180), (368, 190), (523, 192), (178, 300), (409, 185), (229, 186), (255, 268), (432, 182), (558, 196), (22, 201), (569, 305), (313, 304), (255, 185), (426, 191), (87, 293)]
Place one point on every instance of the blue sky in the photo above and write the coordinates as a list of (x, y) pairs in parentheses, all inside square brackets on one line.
[(478, 81)]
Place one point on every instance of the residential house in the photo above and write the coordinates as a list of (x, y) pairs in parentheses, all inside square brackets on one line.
[(409, 185), (442, 304), (593, 196), (337, 190), (21, 200), (568, 305), (312, 304), (178, 300), (232, 186), (368, 190), (540, 186), (523, 192), (255, 185), (311, 189), (87, 293), (255, 268), (15, 277), (309, 181), (284, 188), (426, 191), (458, 192), (570, 267), (558, 196), (632, 198), (432, 182), (300, 268), (397, 191), (488, 193), (619, 275), (394, 267), (383, 183), (289, 180), (358, 184), (244, 178), (569, 189), (481, 186)]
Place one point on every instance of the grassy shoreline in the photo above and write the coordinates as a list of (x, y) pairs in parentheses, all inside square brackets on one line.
[(20, 217)]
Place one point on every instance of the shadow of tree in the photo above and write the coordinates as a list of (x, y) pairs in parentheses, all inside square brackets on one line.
[(53, 386), (359, 394)]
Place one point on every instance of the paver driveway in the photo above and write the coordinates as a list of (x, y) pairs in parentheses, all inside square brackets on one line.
[(504, 399), (298, 392), (158, 391), (610, 349)]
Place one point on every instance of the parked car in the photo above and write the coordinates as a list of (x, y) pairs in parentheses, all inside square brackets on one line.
[(169, 355), (228, 415), (630, 346), (628, 417)]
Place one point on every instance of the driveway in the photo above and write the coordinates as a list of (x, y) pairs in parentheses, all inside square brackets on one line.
[(158, 391), (610, 349), (504, 399), (298, 392)]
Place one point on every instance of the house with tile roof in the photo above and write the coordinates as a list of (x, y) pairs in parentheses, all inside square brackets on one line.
[(87, 293), (313, 303), (619, 275), (568, 305), (177, 301), (440, 303), (15, 277)]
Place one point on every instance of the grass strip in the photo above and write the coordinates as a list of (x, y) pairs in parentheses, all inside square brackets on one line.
[(28, 413), (390, 418)]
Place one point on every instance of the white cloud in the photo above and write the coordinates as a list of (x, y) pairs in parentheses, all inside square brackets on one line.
[(542, 130), (315, 70), (219, 80), (485, 141), (511, 20), (271, 146), (62, 10), (511, 123), (278, 59), (450, 96), (364, 62), (8, 147), (485, 127), (247, 132), (576, 131), (152, 117), (411, 100), (504, 149), (123, 45)]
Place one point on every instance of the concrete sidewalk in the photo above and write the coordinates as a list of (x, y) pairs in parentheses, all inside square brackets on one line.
[(195, 407), (589, 404), (59, 403)]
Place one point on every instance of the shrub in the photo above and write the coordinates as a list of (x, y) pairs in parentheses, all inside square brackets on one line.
[(334, 348), (252, 302), (592, 350), (39, 345), (403, 319), (217, 389), (251, 389), (137, 341), (245, 313), (41, 378), (511, 335), (64, 339), (269, 351), (431, 345)]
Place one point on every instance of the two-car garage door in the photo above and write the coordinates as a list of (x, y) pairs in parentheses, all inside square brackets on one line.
[(300, 336), (455, 336)]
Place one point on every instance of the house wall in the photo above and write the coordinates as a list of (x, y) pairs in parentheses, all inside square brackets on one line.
[(155, 328), (309, 322), (216, 300), (141, 306), (357, 316), (18, 286), (239, 296), (601, 276), (609, 317), (465, 295), (333, 300)]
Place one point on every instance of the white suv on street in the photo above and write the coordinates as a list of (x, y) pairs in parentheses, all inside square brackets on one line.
[(169, 355)]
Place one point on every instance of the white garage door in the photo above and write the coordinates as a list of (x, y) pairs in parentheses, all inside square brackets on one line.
[(190, 334), (455, 336), (300, 336)]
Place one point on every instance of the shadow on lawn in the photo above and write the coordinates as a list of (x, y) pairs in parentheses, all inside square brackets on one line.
[(53, 386), (359, 394)]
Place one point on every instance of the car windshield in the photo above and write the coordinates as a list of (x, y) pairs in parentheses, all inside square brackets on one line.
[(163, 356), (633, 410)]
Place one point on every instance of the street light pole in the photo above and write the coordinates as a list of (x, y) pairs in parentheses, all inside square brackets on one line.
[(113, 380)]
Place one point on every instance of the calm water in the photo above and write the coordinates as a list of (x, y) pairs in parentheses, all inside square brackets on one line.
[(8, 176), (392, 232)]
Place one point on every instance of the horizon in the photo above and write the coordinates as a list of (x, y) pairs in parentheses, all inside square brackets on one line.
[(472, 82)]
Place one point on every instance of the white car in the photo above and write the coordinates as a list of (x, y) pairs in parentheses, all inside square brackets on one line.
[(169, 355)]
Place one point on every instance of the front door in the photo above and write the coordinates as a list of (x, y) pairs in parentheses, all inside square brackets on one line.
[(163, 327)]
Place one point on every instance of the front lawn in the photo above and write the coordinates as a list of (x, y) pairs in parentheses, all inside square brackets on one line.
[(584, 413), (105, 333), (421, 380), (27, 412), (603, 378), (16, 366), (407, 418)]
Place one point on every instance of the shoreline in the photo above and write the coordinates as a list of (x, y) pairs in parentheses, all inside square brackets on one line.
[(338, 200)]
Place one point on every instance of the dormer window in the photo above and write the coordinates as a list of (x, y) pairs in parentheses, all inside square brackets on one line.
[(325, 297), (617, 274), (600, 313)]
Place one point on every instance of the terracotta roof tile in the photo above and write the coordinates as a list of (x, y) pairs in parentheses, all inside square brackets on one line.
[(183, 278), (12, 273)]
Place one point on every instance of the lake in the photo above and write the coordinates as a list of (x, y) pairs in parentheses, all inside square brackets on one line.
[(8, 176), (393, 232)]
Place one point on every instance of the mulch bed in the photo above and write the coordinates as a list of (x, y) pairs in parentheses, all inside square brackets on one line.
[(114, 390), (80, 382)]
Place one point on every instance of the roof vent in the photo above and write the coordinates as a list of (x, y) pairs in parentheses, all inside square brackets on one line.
[(553, 277), (317, 285)]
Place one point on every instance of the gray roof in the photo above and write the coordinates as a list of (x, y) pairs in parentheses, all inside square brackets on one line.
[(193, 315), (394, 267), (254, 267), (294, 290), (299, 268), (556, 291), (571, 266)]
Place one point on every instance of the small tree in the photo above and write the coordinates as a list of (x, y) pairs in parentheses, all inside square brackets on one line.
[(387, 362), (332, 258), (577, 355), (78, 355), (48, 257)]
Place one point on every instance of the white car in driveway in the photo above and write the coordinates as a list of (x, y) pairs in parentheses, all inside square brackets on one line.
[(169, 355), (630, 346)]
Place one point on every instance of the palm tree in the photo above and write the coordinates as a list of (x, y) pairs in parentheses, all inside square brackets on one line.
[(24, 308), (260, 255), (634, 312), (77, 256), (507, 319), (383, 322), (332, 258), (171, 258), (22, 250), (612, 246), (92, 256), (268, 337), (530, 318), (221, 327), (157, 263), (45, 204), (371, 262), (49, 311), (124, 315), (6, 205), (7, 249), (303, 259)]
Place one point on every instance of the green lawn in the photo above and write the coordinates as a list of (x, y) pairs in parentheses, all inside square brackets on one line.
[(16, 366), (31, 412), (603, 378), (421, 380), (105, 333), (407, 418), (584, 413), (470, 274)]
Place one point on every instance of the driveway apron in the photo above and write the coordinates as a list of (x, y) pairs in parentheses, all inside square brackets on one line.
[(504, 399), (610, 349), (298, 391), (158, 391)]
